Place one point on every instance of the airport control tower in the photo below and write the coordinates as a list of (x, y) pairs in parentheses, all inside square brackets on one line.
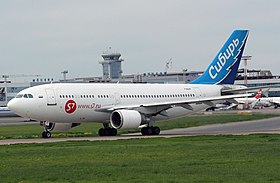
[(111, 65)]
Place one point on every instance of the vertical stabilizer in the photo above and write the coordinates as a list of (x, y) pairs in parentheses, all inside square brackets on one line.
[(223, 68)]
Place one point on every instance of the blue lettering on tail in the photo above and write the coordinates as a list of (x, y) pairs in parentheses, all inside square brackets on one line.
[(223, 68)]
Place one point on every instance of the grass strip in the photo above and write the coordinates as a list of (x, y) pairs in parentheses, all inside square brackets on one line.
[(252, 158)]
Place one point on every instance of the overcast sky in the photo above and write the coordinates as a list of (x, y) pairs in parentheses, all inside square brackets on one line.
[(47, 37)]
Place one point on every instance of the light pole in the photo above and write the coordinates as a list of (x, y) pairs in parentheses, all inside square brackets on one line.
[(245, 59), (184, 75)]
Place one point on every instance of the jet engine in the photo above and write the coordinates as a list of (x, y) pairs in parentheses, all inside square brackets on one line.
[(126, 119), (58, 127)]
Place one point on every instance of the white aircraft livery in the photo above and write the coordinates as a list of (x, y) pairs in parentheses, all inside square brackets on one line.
[(252, 100), (62, 106), (271, 100)]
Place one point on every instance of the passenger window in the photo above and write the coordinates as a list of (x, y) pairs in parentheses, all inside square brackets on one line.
[(30, 96), (25, 96)]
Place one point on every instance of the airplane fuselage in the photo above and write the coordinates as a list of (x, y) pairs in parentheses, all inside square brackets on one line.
[(84, 102)]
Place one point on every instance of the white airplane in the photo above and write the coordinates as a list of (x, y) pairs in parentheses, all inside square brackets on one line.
[(259, 100), (271, 100), (64, 105), (251, 100), (234, 102)]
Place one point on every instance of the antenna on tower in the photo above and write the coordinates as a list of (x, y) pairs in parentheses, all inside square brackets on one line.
[(168, 65)]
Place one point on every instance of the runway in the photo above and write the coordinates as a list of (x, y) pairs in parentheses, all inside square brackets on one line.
[(10, 121), (266, 126), (271, 125)]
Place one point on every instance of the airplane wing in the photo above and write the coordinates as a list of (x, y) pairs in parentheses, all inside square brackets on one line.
[(153, 108), (245, 89)]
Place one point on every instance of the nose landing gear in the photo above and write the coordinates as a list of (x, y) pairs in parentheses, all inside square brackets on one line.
[(46, 133)]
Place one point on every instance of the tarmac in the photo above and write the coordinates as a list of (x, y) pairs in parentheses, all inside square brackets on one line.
[(264, 126)]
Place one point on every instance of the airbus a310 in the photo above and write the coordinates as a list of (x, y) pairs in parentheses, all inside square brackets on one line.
[(62, 106)]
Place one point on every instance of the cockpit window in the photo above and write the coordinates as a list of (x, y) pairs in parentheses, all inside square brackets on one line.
[(24, 96), (19, 96)]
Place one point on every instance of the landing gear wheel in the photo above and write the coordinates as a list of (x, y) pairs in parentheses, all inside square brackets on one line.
[(46, 134), (114, 132), (144, 131), (101, 132), (107, 132), (156, 130), (150, 130)]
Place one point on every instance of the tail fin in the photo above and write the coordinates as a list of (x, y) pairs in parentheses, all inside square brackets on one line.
[(259, 94), (223, 68)]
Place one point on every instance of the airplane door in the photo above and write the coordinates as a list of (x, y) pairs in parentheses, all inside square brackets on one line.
[(117, 99), (51, 100)]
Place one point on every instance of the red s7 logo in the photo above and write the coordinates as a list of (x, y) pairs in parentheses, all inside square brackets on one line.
[(70, 106)]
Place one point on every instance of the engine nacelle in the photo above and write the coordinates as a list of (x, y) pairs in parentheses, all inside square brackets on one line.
[(125, 119), (59, 127)]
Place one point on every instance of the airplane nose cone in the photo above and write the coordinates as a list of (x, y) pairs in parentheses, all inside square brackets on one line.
[(19, 107), (16, 107), (11, 105)]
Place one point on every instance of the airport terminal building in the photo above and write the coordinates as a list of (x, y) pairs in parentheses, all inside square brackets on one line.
[(112, 73)]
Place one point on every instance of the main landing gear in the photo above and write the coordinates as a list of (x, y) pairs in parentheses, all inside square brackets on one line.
[(150, 130), (107, 131)]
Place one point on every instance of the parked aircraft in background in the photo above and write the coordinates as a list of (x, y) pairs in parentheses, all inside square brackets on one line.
[(251, 100), (271, 100), (233, 103), (65, 105), (258, 100)]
